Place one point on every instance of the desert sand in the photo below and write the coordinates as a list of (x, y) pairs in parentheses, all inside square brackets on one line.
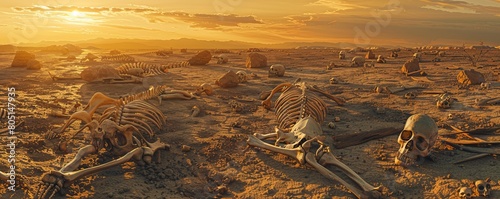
[(219, 163)]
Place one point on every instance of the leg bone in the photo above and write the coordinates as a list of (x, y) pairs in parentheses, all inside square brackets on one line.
[(297, 153)]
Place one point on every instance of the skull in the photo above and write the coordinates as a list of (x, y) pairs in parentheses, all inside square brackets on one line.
[(204, 88), (417, 56), (242, 76), (380, 59), (416, 140), (485, 85), (410, 95), (483, 187), (333, 80), (277, 70), (465, 192), (444, 101)]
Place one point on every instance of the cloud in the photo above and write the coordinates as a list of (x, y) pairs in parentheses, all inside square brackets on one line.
[(39, 8), (210, 21), (128, 27), (462, 6), (336, 4)]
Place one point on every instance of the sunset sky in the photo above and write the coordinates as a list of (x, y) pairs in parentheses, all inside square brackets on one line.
[(401, 22)]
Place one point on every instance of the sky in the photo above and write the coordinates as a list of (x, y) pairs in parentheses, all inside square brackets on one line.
[(362, 22)]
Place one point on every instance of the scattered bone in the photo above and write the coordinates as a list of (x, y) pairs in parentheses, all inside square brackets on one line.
[(185, 148), (55, 78), (256, 60), (485, 85), (333, 80), (341, 54), (394, 54), (357, 61), (470, 77), (228, 80), (336, 119), (332, 125), (204, 88), (465, 192), (410, 95), (202, 58), (264, 94), (417, 56), (22, 58), (381, 59), (195, 111), (118, 58), (331, 65), (369, 65), (276, 70), (242, 76), (483, 187), (416, 140)]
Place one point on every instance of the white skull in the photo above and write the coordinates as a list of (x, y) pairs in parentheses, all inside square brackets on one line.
[(204, 88), (341, 54), (242, 76), (277, 70), (358, 61), (485, 85), (465, 192), (333, 80), (417, 56), (444, 101), (483, 187), (416, 140)]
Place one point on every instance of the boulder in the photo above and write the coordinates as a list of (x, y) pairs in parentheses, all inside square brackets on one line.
[(114, 52), (98, 73), (470, 77), (369, 55), (202, 58), (22, 58), (34, 65), (256, 60), (228, 80), (410, 66)]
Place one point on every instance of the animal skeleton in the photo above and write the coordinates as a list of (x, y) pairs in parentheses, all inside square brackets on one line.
[(142, 69), (120, 131), (118, 58), (299, 113)]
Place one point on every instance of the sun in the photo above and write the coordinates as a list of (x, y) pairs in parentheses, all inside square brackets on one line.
[(75, 13), (78, 18)]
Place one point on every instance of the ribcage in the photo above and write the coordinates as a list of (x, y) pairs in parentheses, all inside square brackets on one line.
[(148, 69), (296, 103)]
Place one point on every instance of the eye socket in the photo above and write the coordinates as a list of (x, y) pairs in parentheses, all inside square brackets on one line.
[(422, 144), (488, 186), (480, 187), (406, 135)]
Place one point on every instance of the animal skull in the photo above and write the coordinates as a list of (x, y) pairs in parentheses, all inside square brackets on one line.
[(277, 70), (417, 56), (485, 85), (204, 88), (465, 192), (333, 80), (483, 187), (242, 76), (221, 59), (444, 101), (381, 59), (416, 140), (341, 54)]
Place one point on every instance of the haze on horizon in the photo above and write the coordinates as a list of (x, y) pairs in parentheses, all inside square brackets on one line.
[(376, 22)]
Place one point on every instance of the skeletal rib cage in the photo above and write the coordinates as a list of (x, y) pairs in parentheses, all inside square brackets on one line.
[(118, 58), (149, 69), (295, 103), (153, 91)]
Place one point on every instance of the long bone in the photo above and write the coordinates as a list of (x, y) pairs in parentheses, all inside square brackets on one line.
[(298, 153)]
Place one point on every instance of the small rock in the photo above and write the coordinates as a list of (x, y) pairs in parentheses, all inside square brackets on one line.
[(228, 80), (256, 60), (185, 148), (202, 58), (337, 119), (331, 125)]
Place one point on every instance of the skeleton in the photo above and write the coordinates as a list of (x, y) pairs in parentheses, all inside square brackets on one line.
[(242, 76), (204, 88), (416, 140), (276, 70), (341, 54), (299, 113), (141, 69), (120, 130), (118, 58), (394, 54), (357, 61), (444, 101), (221, 59), (465, 192), (483, 187)]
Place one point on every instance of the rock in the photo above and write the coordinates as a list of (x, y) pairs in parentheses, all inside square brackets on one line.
[(202, 58), (185, 148), (114, 52), (470, 77), (256, 60), (34, 65), (97, 73), (184, 50), (369, 55), (410, 66), (22, 58), (89, 58), (253, 50), (71, 58), (228, 80)]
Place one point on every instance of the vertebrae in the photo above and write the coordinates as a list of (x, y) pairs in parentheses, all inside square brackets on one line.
[(117, 58), (295, 103)]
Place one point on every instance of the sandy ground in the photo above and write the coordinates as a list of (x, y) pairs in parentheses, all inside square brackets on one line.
[(219, 165)]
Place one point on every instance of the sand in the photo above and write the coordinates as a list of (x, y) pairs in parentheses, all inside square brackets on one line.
[(219, 164)]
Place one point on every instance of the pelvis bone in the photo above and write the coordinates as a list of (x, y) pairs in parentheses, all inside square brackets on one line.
[(416, 140)]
